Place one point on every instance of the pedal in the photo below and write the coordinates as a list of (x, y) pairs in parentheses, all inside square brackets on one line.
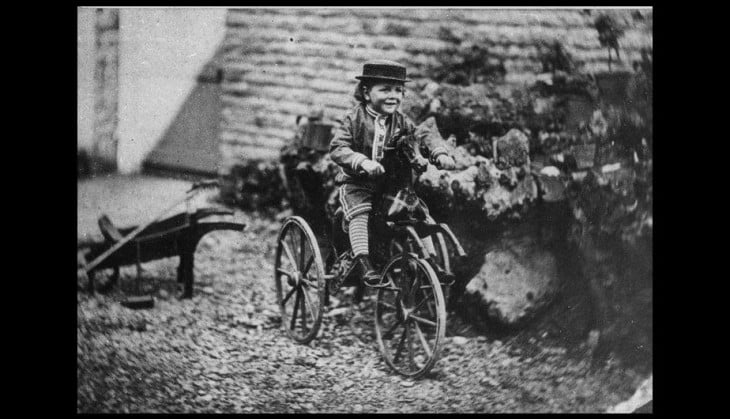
[(340, 267), (447, 279)]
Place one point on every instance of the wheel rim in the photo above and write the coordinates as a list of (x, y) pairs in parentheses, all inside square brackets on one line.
[(443, 258), (396, 247), (442, 251), (410, 316), (299, 277)]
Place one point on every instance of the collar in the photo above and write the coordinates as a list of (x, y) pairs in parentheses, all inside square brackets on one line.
[(374, 113)]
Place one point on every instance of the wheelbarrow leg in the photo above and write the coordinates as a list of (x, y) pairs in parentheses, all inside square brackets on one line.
[(87, 276), (185, 272), (90, 284)]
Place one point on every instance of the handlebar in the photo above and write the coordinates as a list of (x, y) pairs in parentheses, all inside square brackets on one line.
[(402, 144), (419, 166)]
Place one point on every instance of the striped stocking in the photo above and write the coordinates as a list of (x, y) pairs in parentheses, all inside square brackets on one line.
[(359, 234)]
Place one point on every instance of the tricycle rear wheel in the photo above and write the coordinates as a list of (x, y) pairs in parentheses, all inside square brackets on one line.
[(300, 281)]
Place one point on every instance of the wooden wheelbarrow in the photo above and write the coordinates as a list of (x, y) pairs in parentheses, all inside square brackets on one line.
[(176, 235)]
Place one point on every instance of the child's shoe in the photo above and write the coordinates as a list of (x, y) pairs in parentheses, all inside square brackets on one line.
[(370, 276)]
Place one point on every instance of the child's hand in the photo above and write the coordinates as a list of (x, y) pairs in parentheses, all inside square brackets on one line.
[(372, 168), (445, 162)]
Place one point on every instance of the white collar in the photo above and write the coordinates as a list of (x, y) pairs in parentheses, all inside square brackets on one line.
[(372, 112)]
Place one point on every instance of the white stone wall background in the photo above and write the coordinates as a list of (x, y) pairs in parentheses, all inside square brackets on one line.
[(162, 51)]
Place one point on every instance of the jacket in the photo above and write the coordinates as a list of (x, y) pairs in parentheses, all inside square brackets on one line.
[(352, 144)]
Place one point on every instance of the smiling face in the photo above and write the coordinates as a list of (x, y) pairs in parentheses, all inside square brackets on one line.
[(385, 97)]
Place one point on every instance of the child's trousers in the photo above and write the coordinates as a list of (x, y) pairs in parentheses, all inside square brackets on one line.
[(357, 203)]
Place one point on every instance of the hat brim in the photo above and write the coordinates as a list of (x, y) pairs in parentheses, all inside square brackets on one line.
[(382, 78)]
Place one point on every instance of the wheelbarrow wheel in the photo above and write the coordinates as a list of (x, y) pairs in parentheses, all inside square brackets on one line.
[(101, 280), (104, 279), (300, 281), (410, 316), (96, 280)]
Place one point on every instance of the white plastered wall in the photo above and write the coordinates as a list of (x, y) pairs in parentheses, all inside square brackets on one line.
[(161, 52), (85, 77)]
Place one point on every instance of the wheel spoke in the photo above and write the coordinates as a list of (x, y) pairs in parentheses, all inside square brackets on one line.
[(412, 284), (293, 247), (285, 272), (417, 306), (403, 265), (302, 242), (294, 312), (308, 302), (389, 333), (431, 310), (288, 296), (423, 340), (289, 254), (308, 284), (412, 289), (400, 347), (423, 321), (427, 298), (411, 355), (389, 305), (304, 310), (308, 264)]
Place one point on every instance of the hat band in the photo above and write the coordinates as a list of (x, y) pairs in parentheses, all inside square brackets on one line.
[(383, 71)]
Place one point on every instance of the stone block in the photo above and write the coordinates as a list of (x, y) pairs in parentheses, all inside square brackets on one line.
[(515, 280)]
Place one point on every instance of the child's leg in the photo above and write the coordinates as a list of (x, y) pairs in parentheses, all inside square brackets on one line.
[(358, 231), (357, 203)]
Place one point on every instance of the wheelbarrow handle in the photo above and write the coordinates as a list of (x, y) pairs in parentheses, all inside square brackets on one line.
[(213, 183), (96, 262)]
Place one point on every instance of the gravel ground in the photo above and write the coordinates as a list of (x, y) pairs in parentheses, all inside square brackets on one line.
[(224, 351)]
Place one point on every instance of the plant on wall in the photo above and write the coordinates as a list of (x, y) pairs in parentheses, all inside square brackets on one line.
[(555, 57), (464, 63), (609, 33)]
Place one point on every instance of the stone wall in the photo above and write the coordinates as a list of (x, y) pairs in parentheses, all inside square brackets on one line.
[(279, 63)]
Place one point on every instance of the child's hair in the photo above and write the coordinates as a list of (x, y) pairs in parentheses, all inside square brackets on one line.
[(362, 85)]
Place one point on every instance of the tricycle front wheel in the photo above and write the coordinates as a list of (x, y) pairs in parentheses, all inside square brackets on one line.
[(300, 281), (410, 316), (441, 259)]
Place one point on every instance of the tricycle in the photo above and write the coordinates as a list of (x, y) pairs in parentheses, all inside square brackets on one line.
[(413, 253)]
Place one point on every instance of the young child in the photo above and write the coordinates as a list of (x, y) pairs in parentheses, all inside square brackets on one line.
[(358, 148)]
